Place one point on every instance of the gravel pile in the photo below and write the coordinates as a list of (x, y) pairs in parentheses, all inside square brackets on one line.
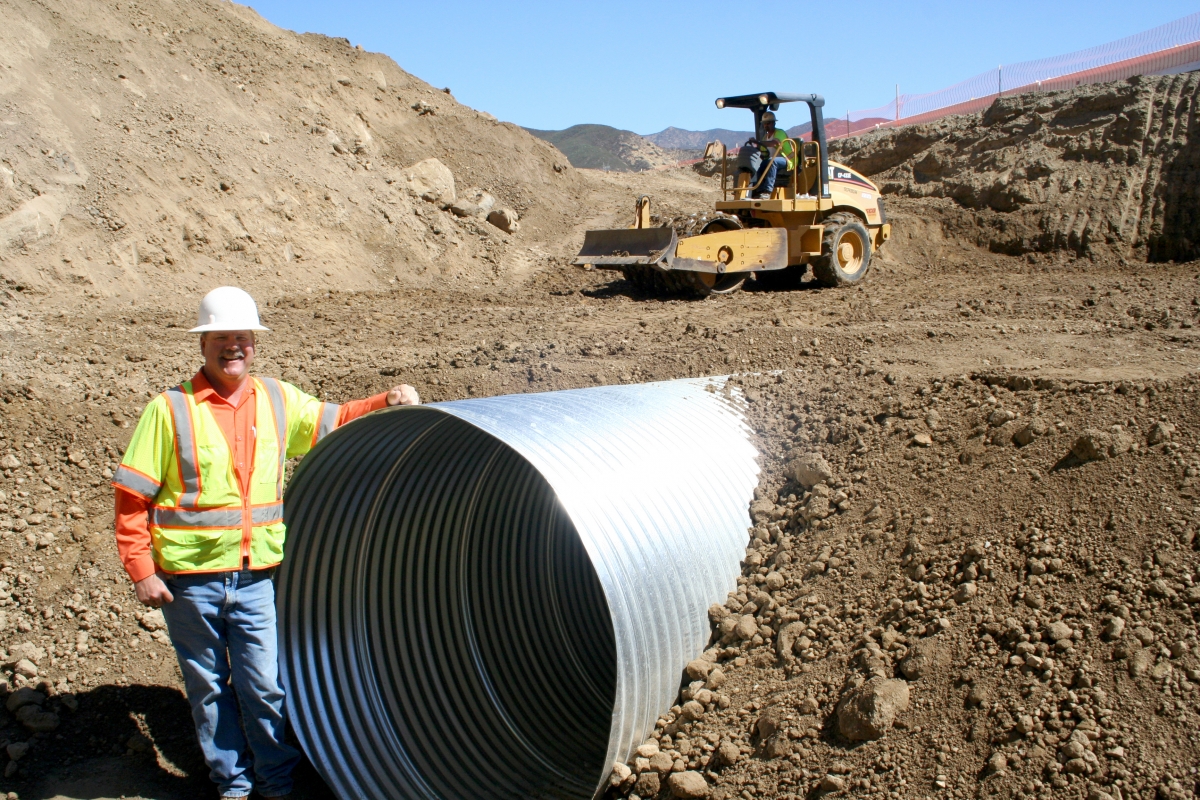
[(973, 586)]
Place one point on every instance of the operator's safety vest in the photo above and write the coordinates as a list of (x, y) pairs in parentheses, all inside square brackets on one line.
[(787, 150), (180, 461)]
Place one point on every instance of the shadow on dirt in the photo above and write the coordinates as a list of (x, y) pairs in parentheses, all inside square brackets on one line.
[(780, 282), (123, 742), (1069, 461)]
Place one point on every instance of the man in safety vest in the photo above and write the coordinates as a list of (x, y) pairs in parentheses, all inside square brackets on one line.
[(775, 141), (199, 500)]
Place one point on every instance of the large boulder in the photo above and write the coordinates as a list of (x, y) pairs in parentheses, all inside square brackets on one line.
[(1160, 432), (432, 181), (505, 219), (868, 711), (473, 202)]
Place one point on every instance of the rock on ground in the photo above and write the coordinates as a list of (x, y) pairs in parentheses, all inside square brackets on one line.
[(505, 219), (810, 469), (926, 657), (688, 785), (869, 711), (473, 202), (432, 181)]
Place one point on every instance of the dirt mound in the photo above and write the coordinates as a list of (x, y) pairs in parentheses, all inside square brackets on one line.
[(947, 601), (184, 146), (1102, 171)]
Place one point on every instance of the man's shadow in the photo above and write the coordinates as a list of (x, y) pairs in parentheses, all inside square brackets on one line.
[(124, 741)]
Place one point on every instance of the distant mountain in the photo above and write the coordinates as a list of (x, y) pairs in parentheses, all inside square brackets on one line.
[(680, 139), (798, 131), (607, 148)]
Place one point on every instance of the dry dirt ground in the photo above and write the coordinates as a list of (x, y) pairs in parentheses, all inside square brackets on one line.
[(989, 590), (860, 372)]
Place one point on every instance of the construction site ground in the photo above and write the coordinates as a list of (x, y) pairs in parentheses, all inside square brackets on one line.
[(992, 590), (864, 367)]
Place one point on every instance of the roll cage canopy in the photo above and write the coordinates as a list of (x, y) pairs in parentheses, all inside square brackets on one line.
[(761, 102)]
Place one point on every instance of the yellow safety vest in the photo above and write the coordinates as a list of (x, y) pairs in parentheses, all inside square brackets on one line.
[(180, 460), (787, 150)]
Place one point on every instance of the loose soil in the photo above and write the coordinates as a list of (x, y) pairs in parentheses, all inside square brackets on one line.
[(966, 542)]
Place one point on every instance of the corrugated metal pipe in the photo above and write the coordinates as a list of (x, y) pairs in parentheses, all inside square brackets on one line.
[(496, 598)]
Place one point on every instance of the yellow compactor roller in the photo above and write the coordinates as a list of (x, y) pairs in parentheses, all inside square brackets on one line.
[(820, 213)]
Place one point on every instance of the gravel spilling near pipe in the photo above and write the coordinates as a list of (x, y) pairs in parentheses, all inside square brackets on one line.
[(497, 597)]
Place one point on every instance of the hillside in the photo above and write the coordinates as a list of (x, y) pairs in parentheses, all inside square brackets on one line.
[(606, 148), (1102, 170), (182, 145)]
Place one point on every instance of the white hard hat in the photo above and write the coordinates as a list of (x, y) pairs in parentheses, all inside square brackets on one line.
[(228, 308)]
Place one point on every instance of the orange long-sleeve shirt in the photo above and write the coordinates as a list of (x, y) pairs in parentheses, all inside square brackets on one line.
[(237, 423)]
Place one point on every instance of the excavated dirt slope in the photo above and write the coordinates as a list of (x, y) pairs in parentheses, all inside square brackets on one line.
[(993, 573), (1108, 170), (155, 144)]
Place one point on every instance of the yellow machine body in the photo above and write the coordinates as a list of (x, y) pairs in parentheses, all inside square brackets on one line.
[(743, 250), (821, 213)]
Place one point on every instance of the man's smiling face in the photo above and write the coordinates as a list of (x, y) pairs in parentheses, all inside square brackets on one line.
[(227, 355)]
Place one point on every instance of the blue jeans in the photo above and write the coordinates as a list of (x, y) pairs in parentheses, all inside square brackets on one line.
[(223, 627), (773, 167)]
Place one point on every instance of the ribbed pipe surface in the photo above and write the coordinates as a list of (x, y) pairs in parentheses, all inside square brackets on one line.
[(497, 597)]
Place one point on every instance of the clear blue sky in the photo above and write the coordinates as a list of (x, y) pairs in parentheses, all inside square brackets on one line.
[(646, 65)]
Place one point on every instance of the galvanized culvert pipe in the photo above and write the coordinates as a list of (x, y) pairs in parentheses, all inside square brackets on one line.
[(496, 597)]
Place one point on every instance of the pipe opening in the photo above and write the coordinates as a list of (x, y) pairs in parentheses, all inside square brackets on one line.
[(445, 633)]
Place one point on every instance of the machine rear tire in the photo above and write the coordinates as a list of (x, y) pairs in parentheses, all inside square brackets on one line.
[(845, 251)]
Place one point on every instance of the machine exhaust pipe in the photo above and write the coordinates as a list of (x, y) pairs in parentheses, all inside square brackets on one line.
[(497, 597)]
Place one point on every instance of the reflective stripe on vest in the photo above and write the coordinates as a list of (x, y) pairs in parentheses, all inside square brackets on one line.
[(279, 410), (185, 446), (216, 518), (329, 415), (189, 468), (136, 482)]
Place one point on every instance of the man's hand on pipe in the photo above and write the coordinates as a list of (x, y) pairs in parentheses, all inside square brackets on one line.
[(403, 395)]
